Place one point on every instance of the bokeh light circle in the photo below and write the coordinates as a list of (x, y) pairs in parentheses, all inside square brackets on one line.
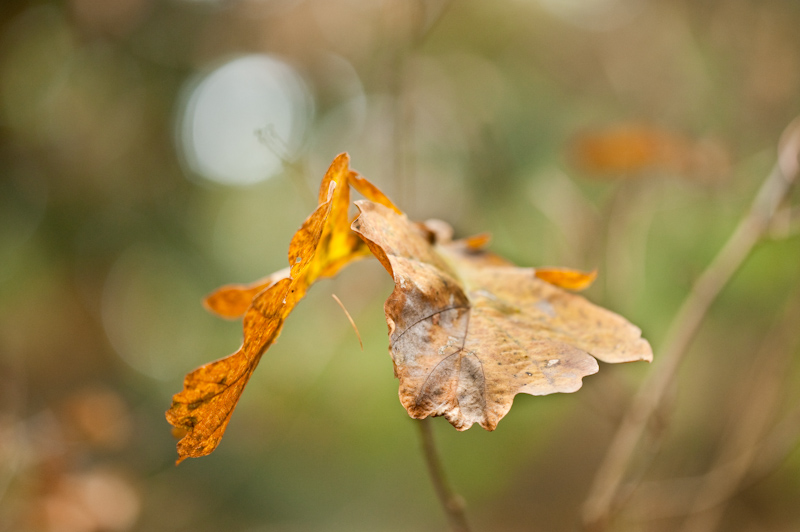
[(240, 122)]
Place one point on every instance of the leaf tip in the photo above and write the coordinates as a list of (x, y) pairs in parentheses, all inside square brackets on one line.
[(646, 350), (566, 278), (477, 242)]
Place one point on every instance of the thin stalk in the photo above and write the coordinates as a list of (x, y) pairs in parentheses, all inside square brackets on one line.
[(452, 503)]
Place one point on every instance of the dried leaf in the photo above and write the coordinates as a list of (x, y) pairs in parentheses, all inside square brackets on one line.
[(468, 331), (320, 248)]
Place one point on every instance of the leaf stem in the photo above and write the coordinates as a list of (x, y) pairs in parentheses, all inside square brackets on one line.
[(598, 506), (452, 503)]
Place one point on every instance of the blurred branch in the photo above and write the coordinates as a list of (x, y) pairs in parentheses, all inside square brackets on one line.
[(424, 15), (435, 13), (676, 497), (786, 224), (452, 504), (597, 508), (629, 222), (794, 222), (749, 424)]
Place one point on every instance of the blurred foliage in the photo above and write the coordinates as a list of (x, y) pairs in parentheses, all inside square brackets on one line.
[(112, 229)]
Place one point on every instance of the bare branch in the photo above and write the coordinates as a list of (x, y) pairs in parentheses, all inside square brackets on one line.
[(597, 508)]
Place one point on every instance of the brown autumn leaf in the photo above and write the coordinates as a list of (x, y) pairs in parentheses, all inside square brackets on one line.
[(468, 330), (320, 248)]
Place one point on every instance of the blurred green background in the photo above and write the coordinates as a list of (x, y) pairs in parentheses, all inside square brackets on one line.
[(152, 150)]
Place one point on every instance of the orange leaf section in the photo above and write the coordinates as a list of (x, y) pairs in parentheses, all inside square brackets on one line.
[(232, 301), (574, 280), (320, 248), (371, 192), (468, 330)]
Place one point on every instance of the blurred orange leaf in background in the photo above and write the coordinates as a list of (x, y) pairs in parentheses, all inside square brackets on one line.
[(631, 149)]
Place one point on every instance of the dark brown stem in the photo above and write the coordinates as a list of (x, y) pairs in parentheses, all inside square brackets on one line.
[(452, 503)]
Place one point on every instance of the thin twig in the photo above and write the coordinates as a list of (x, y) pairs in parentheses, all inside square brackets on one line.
[(452, 504), (350, 319), (750, 451), (597, 508)]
